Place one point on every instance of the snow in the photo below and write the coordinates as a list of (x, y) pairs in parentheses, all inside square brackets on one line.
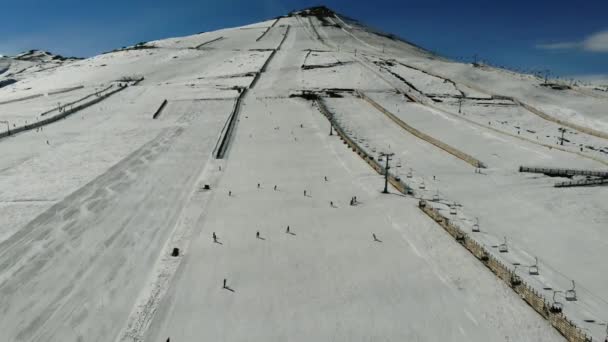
[(326, 279), (92, 206)]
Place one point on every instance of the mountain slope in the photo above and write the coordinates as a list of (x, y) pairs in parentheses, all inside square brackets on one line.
[(119, 169)]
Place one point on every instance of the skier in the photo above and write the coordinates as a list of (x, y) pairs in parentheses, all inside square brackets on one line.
[(326, 178), (258, 185), (375, 238), (304, 193), (287, 231), (214, 237), (224, 283), (275, 188), (229, 193), (331, 204), (257, 235)]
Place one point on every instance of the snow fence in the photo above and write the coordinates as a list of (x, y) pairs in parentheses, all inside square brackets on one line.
[(449, 149), (65, 113)]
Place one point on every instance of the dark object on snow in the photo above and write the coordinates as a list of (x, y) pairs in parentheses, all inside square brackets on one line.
[(7, 82), (175, 252), (160, 109)]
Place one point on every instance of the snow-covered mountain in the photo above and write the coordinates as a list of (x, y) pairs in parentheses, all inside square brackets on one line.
[(228, 186), (13, 69)]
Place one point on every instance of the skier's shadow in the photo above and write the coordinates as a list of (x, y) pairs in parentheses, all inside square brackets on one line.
[(291, 233), (229, 288), (218, 242), (261, 238)]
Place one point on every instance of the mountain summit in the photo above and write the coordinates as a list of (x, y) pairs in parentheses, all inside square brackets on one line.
[(304, 178)]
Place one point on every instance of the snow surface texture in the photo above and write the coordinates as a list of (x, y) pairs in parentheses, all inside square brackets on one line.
[(93, 205)]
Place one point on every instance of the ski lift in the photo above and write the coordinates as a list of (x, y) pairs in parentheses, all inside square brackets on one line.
[(366, 145), (484, 256), (422, 186), (380, 158), (373, 149), (476, 225), (533, 269), (399, 163), (515, 279), (556, 307), (409, 174), (502, 248), (453, 209), (460, 238), (571, 294), (436, 196)]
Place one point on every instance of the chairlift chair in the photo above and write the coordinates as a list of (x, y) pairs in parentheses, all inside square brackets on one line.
[(571, 294), (436, 197), (533, 269), (422, 186), (515, 279), (556, 307), (502, 248), (453, 209), (476, 225), (484, 256)]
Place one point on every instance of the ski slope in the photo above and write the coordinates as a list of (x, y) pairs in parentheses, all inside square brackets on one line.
[(94, 204)]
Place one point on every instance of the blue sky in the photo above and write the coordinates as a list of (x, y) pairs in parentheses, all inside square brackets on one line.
[(567, 37)]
